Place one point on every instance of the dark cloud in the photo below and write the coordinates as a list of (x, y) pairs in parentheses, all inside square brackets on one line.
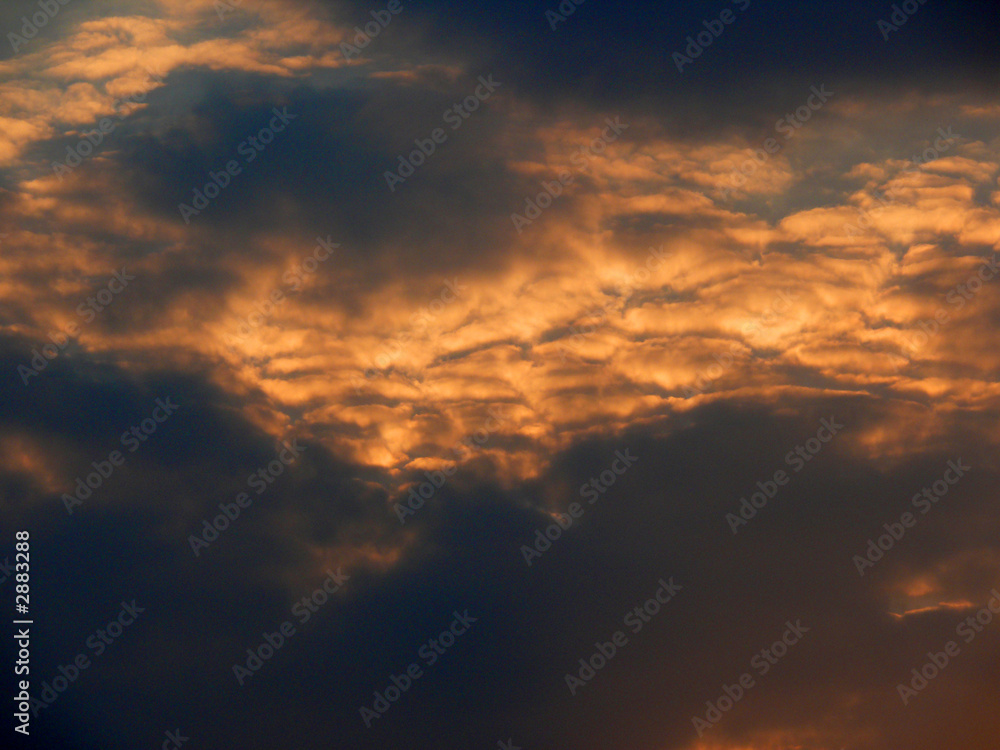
[(589, 350), (664, 518), (617, 57)]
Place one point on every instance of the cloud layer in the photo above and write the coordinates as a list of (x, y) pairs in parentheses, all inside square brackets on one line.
[(468, 262)]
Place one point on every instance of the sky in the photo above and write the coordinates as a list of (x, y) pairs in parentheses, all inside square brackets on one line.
[(526, 375)]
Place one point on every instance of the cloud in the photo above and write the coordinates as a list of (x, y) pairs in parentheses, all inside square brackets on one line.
[(674, 287)]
